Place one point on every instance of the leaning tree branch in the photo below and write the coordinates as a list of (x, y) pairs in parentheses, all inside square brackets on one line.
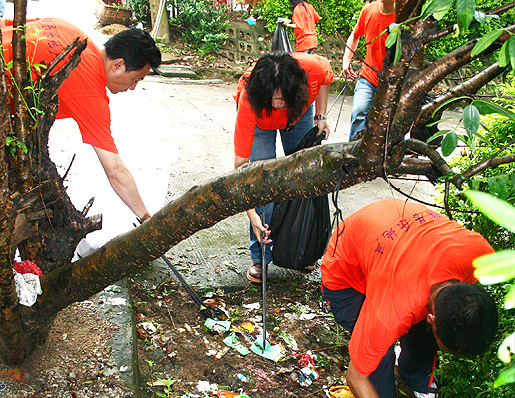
[(420, 84), (306, 173), (491, 162), (469, 87)]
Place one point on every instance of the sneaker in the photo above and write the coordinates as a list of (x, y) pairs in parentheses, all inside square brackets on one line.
[(254, 273), (427, 394)]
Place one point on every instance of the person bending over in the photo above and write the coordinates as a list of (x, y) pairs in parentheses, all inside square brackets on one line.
[(396, 270), (285, 92)]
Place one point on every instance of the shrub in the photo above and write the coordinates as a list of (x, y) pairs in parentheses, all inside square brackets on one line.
[(475, 378), (203, 25)]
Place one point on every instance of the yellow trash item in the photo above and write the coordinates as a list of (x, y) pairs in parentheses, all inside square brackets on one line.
[(341, 392)]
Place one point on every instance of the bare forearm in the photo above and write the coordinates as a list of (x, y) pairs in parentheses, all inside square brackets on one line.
[(122, 182), (360, 385), (125, 187)]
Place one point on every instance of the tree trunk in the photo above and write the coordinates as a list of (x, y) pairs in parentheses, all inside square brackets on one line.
[(162, 30)]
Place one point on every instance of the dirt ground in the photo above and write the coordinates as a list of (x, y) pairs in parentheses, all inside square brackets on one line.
[(179, 356), (75, 361)]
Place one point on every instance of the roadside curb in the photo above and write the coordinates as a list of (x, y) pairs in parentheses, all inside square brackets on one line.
[(114, 304)]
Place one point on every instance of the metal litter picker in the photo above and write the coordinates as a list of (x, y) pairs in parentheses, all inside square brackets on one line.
[(264, 270)]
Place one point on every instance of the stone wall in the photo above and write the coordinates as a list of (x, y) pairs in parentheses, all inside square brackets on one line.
[(246, 43)]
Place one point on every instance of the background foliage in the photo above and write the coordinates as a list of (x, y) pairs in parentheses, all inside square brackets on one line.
[(475, 378), (445, 45)]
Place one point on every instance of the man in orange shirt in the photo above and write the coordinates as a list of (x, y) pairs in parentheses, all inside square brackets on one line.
[(281, 92), (396, 270), (374, 18), (119, 65)]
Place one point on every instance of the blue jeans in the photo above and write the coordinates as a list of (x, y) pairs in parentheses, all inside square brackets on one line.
[(263, 148), (2, 8), (418, 347), (363, 94)]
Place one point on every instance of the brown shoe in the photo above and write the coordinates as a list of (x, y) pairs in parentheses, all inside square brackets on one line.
[(311, 267), (254, 273)]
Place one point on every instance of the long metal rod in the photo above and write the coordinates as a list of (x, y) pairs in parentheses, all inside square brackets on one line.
[(188, 288), (263, 278)]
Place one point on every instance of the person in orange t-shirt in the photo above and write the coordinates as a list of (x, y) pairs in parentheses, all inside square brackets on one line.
[(303, 22), (123, 61), (397, 270), (374, 18), (278, 93)]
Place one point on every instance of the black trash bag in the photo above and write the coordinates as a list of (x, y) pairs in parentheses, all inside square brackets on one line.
[(300, 228), (280, 41)]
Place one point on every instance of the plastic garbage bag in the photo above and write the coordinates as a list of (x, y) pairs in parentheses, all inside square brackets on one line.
[(26, 279), (300, 228), (27, 288), (280, 41)]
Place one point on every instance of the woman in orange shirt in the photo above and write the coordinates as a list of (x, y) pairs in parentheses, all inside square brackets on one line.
[(303, 22)]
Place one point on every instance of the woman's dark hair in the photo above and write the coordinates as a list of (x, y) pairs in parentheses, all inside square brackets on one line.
[(295, 3), (465, 319), (136, 47), (278, 70)]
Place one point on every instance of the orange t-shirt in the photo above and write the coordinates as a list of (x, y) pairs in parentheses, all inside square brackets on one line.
[(319, 73), (394, 252), (83, 95), (305, 17), (370, 24)]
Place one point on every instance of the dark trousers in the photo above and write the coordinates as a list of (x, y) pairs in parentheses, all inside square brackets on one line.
[(418, 347)]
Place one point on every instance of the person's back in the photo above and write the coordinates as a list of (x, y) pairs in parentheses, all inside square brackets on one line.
[(304, 18)]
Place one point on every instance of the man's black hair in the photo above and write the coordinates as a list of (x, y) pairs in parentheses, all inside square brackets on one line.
[(278, 70), (136, 47), (465, 319)]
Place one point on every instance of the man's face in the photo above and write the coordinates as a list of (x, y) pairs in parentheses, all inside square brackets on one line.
[(119, 80)]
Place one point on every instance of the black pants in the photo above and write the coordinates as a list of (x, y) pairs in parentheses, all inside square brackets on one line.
[(418, 347)]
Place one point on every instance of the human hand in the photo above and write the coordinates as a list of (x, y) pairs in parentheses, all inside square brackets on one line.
[(348, 71), (323, 128), (258, 228)]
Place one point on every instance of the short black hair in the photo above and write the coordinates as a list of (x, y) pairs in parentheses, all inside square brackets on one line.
[(136, 47), (278, 70), (465, 319)]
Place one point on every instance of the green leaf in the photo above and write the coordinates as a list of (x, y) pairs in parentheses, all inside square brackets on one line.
[(495, 267), (480, 16), (398, 50), (437, 134), (471, 119), (448, 102), (486, 107), (509, 300), (505, 377), (504, 56), (466, 10), (507, 348), (497, 210), (485, 42), (392, 38), (511, 51), (436, 8), (449, 143)]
